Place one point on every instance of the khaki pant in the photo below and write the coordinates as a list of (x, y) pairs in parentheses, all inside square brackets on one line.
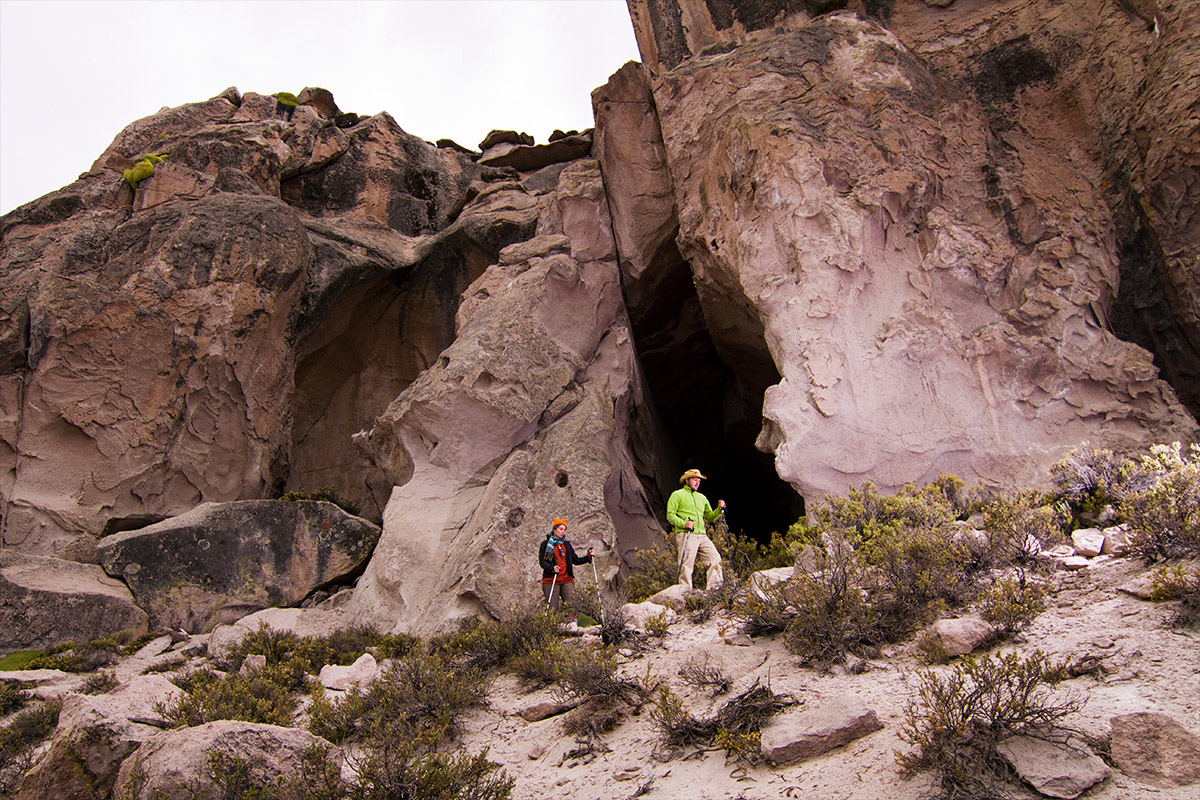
[(694, 547), (562, 593)]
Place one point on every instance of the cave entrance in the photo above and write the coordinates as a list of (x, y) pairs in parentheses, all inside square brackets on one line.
[(710, 405)]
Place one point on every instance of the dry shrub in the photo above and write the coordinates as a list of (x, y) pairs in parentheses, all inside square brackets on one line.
[(1011, 604), (1179, 582), (590, 676), (654, 569), (735, 727), (1010, 522), (957, 720), (484, 645), (101, 682), (702, 675)]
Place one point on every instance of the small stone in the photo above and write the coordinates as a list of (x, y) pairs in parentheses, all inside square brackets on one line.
[(956, 637), (739, 640), (1075, 563), (252, 664)]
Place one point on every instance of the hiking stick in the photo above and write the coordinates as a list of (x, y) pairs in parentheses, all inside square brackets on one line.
[(599, 599)]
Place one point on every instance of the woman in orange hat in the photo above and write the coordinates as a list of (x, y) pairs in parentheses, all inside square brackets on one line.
[(558, 560)]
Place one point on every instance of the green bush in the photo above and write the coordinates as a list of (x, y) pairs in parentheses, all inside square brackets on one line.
[(735, 727), (1163, 510), (101, 682), (13, 697), (1009, 522), (1011, 604), (1088, 480), (956, 720), (487, 644), (654, 569), (263, 696), (90, 656)]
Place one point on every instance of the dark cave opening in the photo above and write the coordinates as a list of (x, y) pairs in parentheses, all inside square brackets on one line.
[(709, 406)]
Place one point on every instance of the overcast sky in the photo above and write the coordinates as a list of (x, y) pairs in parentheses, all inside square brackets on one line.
[(73, 73)]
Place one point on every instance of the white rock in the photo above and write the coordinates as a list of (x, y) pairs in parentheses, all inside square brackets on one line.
[(360, 673), (638, 615), (1075, 563), (1088, 541), (960, 636), (673, 597), (759, 581), (1116, 540), (807, 732)]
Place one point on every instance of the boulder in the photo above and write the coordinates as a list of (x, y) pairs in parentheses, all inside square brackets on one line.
[(956, 637), (1075, 563), (808, 732), (527, 158), (94, 736), (1156, 749), (762, 580), (527, 416), (638, 615), (1116, 540), (171, 762), (48, 601), (358, 674), (221, 561), (1064, 769), (1088, 542), (673, 597)]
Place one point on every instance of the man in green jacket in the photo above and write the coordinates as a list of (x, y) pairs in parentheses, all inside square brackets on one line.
[(687, 511)]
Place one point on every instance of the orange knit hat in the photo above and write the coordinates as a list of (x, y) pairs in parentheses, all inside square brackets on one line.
[(556, 522)]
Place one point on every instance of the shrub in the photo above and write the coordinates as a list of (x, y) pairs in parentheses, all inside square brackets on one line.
[(1009, 522), (13, 697), (704, 676), (654, 569), (767, 611), (916, 567), (483, 645), (1088, 480), (101, 682), (90, 656), (1164, 510), (590, 675), (735, 727), (1011, 604), (324, 494), (20, 737), (263, 696), (956, 721)]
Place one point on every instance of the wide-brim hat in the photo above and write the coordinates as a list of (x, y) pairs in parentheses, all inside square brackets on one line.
[(691, 473)]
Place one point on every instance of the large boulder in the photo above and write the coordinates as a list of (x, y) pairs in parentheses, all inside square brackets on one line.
[(810, 731), (171, 762), (1064, 769), (222, 561), (48, 601), (843, 211)]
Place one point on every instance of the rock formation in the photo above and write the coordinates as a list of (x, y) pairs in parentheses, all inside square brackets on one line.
[(820, 243), (931, 279)]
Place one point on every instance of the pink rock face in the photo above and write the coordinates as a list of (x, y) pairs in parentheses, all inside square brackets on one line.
[(840, 206)]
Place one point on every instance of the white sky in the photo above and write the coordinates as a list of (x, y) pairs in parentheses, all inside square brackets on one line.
[(73, 73)]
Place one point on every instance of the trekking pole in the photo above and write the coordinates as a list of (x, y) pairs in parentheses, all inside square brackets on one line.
[(599, 599), (682, 554), (553, 586)]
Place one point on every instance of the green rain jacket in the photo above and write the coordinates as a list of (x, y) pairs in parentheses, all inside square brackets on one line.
[(684, 504)]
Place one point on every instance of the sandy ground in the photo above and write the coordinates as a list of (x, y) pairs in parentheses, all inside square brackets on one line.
[(1145, 666)]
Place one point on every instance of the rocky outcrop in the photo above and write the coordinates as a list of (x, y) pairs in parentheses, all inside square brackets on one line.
[(221, 561), (1064, 769), (94, 736), (842, 207), (47, 601), (525, 417)]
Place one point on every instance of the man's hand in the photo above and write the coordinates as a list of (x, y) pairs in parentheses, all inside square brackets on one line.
[(557, 568), (721, 504), (690, 525)]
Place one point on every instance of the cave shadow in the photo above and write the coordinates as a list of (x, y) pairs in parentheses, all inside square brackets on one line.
[(709, 410)]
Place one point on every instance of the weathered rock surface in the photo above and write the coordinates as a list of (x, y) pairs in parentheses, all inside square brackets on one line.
[(47, 601), (1056, 769), (528, 157), (809, 731), (853, 235), (1156, 749), (223, 561), (94, 736), (358, 674), (171, 762)]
